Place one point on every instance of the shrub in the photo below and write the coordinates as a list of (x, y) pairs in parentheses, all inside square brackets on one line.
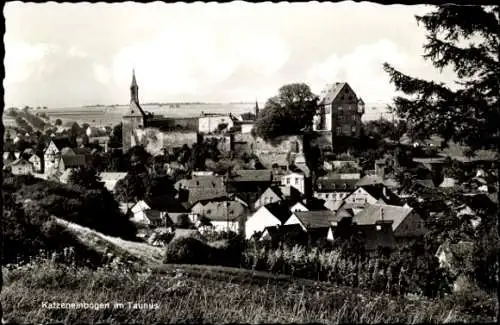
[(187, 250)]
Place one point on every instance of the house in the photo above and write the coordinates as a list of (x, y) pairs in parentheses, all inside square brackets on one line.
[(20, 167), (273, 214), (111, 178), (200, 188), (223, 215), (52, 153), (37, 163), (209, 123), (282, 234), (296, 180), (277, 193), (373, 193), (71, 162), (340, 111), (448, 182), (246, 126), (249, 184), (333, 190), (312, 219), (406, 222), (152, 211)]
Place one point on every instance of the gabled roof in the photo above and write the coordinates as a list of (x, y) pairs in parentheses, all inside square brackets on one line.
[(377, 191), (377, 213), (330, 93), (224, 210), (72, 161), (285, 192), (243, 175), (153, 215), (19, 161), (316, 219), (280, 210), (278, 232), (335, 185), (67, 151), (166, 203)]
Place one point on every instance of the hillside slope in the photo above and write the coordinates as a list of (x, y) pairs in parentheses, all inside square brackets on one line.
[(104, 244)]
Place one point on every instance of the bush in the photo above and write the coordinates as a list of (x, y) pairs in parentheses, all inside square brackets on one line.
[(187, 250)]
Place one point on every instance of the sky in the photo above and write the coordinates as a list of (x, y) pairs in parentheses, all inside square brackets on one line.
[(64, 55)]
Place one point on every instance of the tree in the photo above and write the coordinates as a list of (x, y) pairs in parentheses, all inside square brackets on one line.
[(287, 113), (87, 177), (58, 122), (115, 139), (465, 38)]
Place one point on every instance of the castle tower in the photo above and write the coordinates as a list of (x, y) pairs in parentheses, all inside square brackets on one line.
[(133, 119)]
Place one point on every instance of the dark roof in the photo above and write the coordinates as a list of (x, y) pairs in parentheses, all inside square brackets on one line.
[(316, 219), (166, 203), (153, 215), (285, 192), (71, 161), (335, 185), (377, 191), (250, 175), (373, 238), (280, 210), (330, 92), (277, 232), (62, 142), (224, 210)]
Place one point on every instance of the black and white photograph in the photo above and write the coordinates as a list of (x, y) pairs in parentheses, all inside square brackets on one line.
[(251, 163)]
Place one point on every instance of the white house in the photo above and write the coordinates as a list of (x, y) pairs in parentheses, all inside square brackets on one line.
[(20, 167), (209, 123), (333, 190), (296, 180), (223, 215), (298, 207), (269, 215), (37, 163), (53, 152), (277, 193), (373, 194), (246, 127), (111, 178)]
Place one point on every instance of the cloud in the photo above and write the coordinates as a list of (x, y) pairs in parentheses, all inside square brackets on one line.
[(198, 58), (21, 59), (362, 69)]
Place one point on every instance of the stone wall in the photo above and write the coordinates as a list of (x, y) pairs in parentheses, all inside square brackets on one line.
[(154, 140)]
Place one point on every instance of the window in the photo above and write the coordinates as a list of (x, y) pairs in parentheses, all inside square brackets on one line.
[(326, 196), (209, 211), (296, 180), (340, 108), (342, 98), (288, 180), (350, 97), (341, 117), (353, 117), (339, 130)]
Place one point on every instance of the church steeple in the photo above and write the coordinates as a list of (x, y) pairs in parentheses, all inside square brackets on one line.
[(134, 89)]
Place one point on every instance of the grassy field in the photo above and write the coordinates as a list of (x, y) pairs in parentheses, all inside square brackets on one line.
[(197, 294)]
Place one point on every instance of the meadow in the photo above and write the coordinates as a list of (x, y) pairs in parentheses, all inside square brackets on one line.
[(198, 294), (112, 115)]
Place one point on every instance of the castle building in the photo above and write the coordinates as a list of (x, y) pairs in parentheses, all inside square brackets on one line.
[(340, 111)]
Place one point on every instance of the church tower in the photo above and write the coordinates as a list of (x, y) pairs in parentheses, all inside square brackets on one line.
[(256, 110), (133, 119)]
